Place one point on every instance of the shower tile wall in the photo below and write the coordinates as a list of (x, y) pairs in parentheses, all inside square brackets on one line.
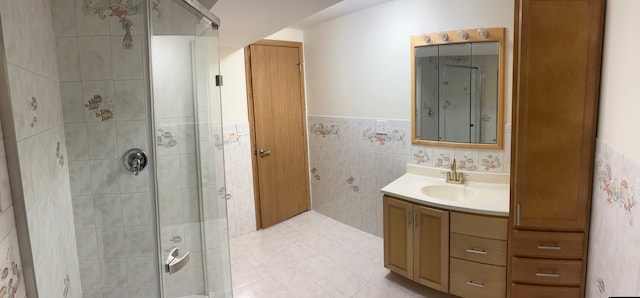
[(350, 163), (104, 107), (239, 179), (615, 225), (42, 154), (9, 251)]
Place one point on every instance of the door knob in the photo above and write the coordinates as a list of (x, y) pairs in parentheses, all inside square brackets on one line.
[(264, 153)]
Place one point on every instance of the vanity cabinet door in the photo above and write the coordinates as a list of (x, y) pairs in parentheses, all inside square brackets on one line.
[(398, 236), (431, 248), (416, 242), (556, 83)]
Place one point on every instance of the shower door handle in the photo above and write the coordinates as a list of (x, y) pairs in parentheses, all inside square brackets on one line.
[(264, 153), (175, 263)]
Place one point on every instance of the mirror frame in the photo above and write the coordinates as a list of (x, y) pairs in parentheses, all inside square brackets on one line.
[(458, 37)]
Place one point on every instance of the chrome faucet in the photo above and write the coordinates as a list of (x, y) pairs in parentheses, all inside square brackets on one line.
[(453, 176)]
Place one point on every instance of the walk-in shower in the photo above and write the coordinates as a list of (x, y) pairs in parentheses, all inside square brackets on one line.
[(112, 125)]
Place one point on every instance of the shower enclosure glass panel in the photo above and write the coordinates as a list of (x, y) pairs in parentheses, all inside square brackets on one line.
[(187, 121)]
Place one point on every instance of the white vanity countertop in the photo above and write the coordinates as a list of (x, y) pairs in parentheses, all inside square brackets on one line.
[(489, 191)]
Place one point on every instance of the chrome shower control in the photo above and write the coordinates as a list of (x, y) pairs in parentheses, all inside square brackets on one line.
[(135, 160)]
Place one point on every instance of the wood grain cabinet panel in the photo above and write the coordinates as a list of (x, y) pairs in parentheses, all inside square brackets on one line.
[(547, 272), (532, 291), (548, 244), (557, 61), (471, 279), (416, 242), (479, 225), (477, 249)]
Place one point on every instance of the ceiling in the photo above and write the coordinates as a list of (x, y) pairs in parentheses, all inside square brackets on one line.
[(246, 21)]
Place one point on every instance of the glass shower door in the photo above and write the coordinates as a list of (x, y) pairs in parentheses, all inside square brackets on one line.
[(187, 119)]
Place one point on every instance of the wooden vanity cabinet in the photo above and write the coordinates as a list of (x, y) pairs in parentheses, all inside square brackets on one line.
[(453, 252), (416, 242), (478, 255), (557, 57)]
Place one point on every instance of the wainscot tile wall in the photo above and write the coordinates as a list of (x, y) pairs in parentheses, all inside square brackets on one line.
[(350, 163), (42, 157), (13, 281), (614, 258), (239, 179)]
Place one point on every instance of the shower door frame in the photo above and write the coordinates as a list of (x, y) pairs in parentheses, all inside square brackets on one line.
[(207, 16)]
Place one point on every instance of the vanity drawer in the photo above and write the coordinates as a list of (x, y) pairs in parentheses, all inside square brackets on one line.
[(483, 250), (479, 225), (470, 279), (530, 291), (548, 244), (546, 272)]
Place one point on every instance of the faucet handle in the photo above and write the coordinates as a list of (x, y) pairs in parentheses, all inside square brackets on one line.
[(453, 165)]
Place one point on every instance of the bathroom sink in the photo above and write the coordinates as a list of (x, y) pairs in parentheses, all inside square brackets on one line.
[(448, 192)]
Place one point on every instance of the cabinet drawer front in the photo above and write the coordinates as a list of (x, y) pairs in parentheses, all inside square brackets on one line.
[(479, 225), (547, 272), (548, 244), (470, 279), (529, 291), (483, 250)]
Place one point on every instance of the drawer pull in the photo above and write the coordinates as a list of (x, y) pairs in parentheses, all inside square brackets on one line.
[(475, 251), (547, 275), (471, 283), (545, 247)]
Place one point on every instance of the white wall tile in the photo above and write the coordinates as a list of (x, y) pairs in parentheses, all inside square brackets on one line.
[(83, 212), (116, 292), (136, 209), (104, 176), (98, 100), (87, 244), (76, 140), (68, 59), (88, 21), (101, 140), (90, 274), (63, 16), (80, 177), (139, 241), (108, 210), (95, 57), (127, 63), (72, 102), (141, 271), (129, 100), (110, 242)]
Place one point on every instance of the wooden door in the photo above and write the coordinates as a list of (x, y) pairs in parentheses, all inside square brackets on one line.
[(277, 114), (557, 71), (431, 247), (398, 236)]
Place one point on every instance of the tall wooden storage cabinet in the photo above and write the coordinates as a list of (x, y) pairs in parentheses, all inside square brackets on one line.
[(557, 58)]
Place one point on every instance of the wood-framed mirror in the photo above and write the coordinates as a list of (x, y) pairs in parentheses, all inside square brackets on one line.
[(457, 88)]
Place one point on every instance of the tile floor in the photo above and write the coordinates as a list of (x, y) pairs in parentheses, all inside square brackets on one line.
[(312, 255)]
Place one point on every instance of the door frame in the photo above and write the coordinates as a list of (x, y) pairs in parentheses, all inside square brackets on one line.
[(252, 130)]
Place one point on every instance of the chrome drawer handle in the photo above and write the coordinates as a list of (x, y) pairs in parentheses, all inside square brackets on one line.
[(549, 247), (548, 275), (471, 283), (474, 251)]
